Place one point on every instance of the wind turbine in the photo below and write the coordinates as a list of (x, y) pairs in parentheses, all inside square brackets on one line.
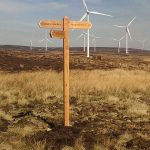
[(127, 32), (119, 42), (143, 43), (94, 41), (45, 39), (87, 14), (84, 38), (31, 45)]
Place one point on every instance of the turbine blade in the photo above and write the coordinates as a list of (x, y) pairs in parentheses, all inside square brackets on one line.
[(92, 35), (131, 21), (145, 40), (114, 39), (97, 13), (119, 26), (129, 33), (79, 36), (122, 38), (84, 16), (98, 37), (139, 41), (41, 40), (49, 40), (93, 41), (84, 3), (85, 33)]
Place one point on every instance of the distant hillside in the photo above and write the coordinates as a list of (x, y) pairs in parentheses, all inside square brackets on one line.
[(78, 49)]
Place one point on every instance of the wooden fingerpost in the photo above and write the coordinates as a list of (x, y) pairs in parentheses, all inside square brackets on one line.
[(66, 24), (66, 71)]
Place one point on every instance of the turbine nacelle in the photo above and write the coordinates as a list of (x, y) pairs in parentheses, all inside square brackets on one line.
[(91, 12), (127, 27), (87, 14)]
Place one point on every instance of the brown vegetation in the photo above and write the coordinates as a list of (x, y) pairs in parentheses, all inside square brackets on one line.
[(109, 100)]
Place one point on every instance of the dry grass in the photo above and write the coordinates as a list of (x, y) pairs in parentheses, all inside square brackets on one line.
[(119, 87), (27, 87), (39, 146), (46, 83), (110, 81), (5, 116), (138, 108)]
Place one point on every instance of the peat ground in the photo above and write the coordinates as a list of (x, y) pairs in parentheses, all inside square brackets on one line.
[(98, 120)]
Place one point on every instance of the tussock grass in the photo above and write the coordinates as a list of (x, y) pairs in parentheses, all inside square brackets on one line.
[(26, 87), (111, 81), (31, 86), (5, 116), (119, 87), (39, 146)]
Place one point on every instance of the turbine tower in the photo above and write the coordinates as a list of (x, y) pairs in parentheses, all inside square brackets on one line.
[(94, 41), (127, 32), (87, 14), (45, 39), (119, 42), (84, 38), (143, 43), (31, 45)]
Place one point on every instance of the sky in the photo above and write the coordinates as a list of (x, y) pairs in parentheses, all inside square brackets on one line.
[(19, 21)]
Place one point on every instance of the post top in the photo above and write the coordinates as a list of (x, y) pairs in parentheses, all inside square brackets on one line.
[(65, 17)]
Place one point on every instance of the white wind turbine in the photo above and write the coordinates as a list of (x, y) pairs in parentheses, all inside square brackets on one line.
[(87, 14), (127, 32), (119, 42), (143, 43), (94, 41), (31, 45), (46, 40), (84, 38)]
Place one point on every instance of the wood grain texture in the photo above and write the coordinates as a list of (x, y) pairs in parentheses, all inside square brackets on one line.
[(66, 72)]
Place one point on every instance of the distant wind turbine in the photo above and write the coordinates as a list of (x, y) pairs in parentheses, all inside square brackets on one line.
[(127, 32), (143, 43), (94, 41), (31, 45), (119, 42), (87, 14), (46, 40), (84, 38)]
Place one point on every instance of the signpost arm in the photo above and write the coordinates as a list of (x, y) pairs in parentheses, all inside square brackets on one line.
[(66, 71)]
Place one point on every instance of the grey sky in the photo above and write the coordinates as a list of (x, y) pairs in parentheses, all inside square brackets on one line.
[(19, 20)]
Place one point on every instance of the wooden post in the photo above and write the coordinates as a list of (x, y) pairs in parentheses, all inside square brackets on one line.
[(66, 24), (66, 71)]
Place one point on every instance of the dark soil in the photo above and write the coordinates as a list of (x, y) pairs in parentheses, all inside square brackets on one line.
[(16, 61)]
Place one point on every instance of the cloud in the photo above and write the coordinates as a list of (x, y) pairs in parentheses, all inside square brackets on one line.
[(54, 5), (93, 1), (16, 6)]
